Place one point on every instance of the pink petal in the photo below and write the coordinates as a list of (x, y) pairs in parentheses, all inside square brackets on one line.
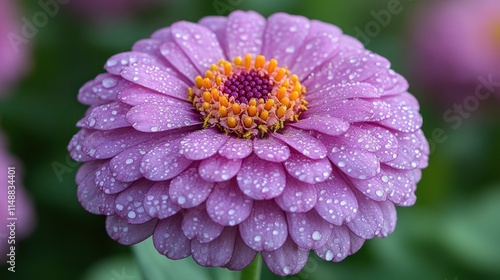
[(355, 163), (174, 54), (344, 91), (106, 204), (356, 243), (314, 53), (127, 165), (266, 227), (283, 37), (404, 184), (149, 46), (137, 95), (156, 78), (129, 203), (308, 230), (127, 234), (409, 153), (390, 218), (105, 117), (155, 117), (336, 201), (202, 144), (242, 255), (308, 170), (217, 252), (197, 224), (106, 182), (103, 88), (109, 143), (227, 206), (324, 124), (244, 33), (376, 188), (87, 192), (218, 25), (117, 63), (236, 148), (297, 197), (387, 142), (302, 142), (158, 203), (347, 110), (287, 260), (164, 161), (169, 240), (405, 116), (271, 149), (75, 146), (198, 43), (188, 189), (369, 221), (218, 169), (260, 179), (337, 247)]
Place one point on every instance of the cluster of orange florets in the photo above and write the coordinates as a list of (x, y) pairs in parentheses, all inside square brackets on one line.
[(258, 116)]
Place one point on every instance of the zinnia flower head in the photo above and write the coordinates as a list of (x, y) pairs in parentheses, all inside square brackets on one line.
[(23, 210), (455, 43), (237, 135), (12, 56)]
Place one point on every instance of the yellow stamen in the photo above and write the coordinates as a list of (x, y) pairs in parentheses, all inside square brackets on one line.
[(273, 63), (285, 101), (198, 81), (231, 122), (294, 95), (209, 74), (228, 69), (281, 111), (206, 83), (281, 73), (269, 104), (223, 101), (238, 61), (248, 122), (281, 93), (207, 96), (236, 109), (223, 111), (252, 102), (264, 115), (206, 105), (260, 61), (252, 111), (248, 61)]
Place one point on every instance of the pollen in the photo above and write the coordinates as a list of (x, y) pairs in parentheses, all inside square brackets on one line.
[(248, 97)]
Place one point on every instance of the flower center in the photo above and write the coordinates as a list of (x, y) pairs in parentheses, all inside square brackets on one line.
[(248, 97)]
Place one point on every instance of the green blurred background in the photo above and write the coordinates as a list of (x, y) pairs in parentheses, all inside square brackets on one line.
[(453, 231)]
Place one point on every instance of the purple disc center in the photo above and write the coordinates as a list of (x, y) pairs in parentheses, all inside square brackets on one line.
[(247, 85)]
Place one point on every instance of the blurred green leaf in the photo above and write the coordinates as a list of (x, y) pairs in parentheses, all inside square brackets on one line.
[(114, 268)]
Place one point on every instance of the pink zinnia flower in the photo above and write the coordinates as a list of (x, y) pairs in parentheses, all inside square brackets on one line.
[(456, 43), (238, 135), (12, 56), (23, 211)]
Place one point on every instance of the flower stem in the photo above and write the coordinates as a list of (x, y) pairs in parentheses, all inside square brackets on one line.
[(252, 272)]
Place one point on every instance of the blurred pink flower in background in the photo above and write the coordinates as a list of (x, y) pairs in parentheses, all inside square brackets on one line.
[(103, 10), (456, 43), (13, 59), (23, 205)]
